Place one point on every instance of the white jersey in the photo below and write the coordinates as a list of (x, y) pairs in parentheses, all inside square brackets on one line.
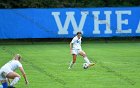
[(76, 43), (12, 65)]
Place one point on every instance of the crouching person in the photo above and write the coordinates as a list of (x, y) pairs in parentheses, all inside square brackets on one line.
[(8, 72)]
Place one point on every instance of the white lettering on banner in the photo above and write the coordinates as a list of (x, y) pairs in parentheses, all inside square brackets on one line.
[(138, 28), (97, 22), (120, 22), (78, 26), (70, 18)]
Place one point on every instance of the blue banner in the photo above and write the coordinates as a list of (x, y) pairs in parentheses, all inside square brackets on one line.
[(66, 22)]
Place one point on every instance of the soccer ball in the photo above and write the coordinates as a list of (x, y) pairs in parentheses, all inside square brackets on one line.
[(85, 65)]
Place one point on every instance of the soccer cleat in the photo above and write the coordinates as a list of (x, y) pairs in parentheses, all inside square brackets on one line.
[(91, 64), (69, 68), (11, 87)]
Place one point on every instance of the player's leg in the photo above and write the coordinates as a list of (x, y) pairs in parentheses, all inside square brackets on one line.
[(3, 80), (74, 55), (73, 61), (82, 53), (15, 76), (4, 83)]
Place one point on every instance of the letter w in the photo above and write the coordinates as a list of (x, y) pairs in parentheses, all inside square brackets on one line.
[(70, 18)]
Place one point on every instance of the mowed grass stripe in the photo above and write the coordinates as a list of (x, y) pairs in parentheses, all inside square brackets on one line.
[(111, 59)]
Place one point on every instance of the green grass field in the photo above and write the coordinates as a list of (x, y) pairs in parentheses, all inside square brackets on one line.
[(117, 65)]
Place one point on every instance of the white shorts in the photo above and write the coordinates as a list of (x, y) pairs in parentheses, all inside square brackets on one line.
[(4, 72), (76, 51)]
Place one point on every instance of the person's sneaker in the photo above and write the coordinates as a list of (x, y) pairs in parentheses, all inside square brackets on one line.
[(69, 68), (91, 64), (11, 87)]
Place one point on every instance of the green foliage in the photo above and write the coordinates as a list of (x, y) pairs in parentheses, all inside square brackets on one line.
[(66, 3)]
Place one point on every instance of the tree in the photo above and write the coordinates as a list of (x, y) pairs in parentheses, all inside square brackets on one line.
[(66, 3)]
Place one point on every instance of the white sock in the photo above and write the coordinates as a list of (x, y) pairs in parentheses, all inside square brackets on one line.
[(16, 79), (71, 64), (86, 59)]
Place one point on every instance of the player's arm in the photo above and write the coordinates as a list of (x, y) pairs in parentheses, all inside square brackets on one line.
[(24, 74), (71, 47), (71, 44), (9, 81)]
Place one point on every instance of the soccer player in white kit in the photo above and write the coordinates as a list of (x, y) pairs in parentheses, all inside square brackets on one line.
[(8, 72), (76, 49)]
